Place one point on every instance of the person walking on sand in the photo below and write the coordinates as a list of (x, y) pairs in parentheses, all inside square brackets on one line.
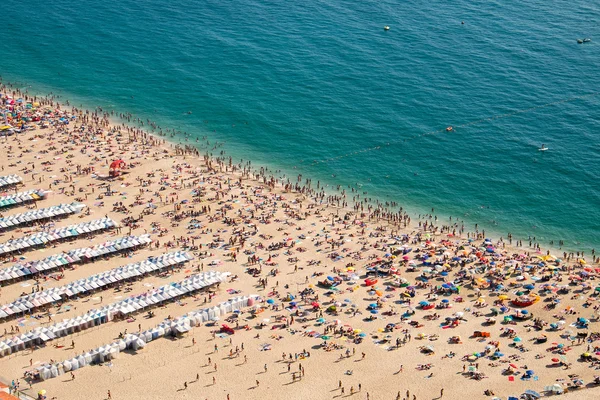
[(442, 393), (109, 395), (185, 385)]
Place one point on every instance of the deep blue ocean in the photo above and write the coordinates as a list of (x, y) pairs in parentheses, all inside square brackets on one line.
[(286, 84)]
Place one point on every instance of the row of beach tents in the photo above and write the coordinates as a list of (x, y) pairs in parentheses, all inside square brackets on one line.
[(135, 342), (123, 308), (81, 255), (84, 286), (42, 214), (22, 198), (42, 238), (9, 180)]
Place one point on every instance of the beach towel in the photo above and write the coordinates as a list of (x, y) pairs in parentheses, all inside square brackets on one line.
[(511, 378)]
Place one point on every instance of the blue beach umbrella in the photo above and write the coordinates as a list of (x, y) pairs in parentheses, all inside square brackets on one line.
[(270, 301)]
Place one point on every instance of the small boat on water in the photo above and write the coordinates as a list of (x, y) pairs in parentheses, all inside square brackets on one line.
[(579, 41), (587, 40), (543, 148), (386, 28)]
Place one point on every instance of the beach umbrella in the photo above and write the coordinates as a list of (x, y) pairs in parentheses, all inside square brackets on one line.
[(524, 312), (321, 320), (271, 301), (445, 301), (374, 311), (555, 360), (533, 394), (362, 334), (325, 337), (514, 366), (498, 354), (517, 339), (529, 372)]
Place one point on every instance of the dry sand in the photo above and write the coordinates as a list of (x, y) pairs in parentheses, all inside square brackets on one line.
[(160, 370)]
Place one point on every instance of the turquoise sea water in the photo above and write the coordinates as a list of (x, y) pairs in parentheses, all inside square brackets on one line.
[(288, 83)]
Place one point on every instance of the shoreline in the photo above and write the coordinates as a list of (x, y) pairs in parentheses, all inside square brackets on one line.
[(414, 211)]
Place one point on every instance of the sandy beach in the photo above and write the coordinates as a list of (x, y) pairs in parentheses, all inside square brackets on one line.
[(354, 299)]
